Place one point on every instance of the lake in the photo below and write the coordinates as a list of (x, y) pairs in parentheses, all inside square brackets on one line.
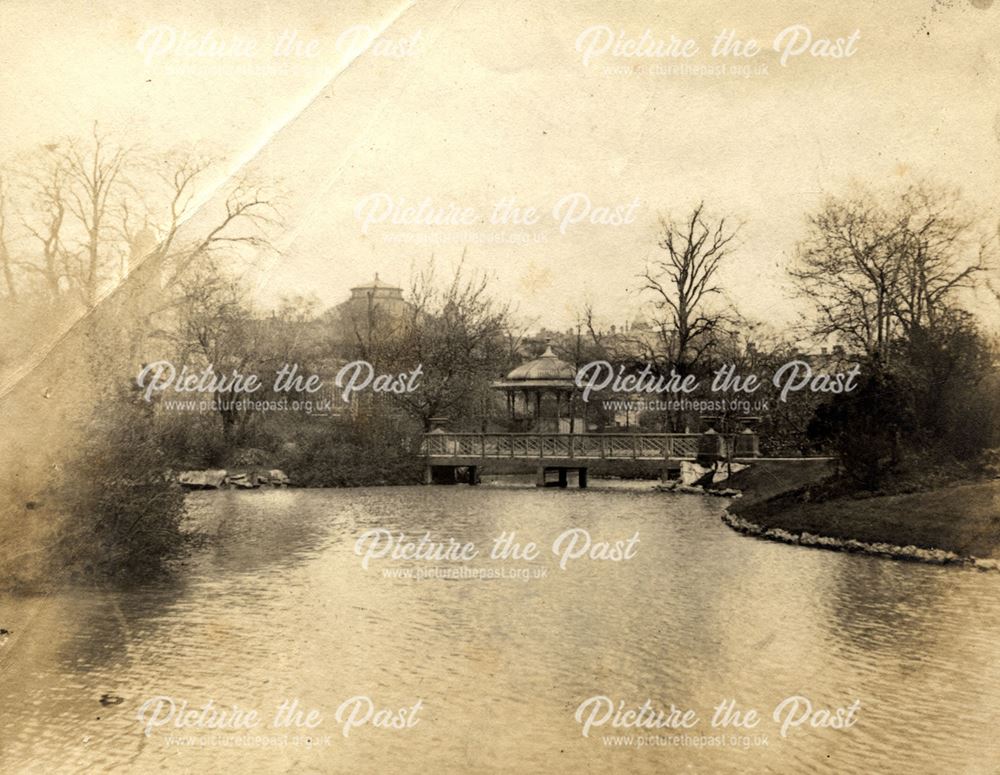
[(493, 664)]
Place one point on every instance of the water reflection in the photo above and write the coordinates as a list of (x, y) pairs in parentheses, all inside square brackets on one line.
[(276, 605)]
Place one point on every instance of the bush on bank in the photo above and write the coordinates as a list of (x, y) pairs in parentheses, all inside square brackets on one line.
[(368, 451), (122, 511)]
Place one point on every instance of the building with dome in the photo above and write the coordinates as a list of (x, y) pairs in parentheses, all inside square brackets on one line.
[(541, 395), (377, 306)]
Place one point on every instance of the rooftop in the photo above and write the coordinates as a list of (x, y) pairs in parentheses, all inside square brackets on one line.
[(377, 285), (545, 371)]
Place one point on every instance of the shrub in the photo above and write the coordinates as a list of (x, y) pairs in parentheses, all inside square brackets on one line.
[(866, 427), (354, 453), (123, 511)]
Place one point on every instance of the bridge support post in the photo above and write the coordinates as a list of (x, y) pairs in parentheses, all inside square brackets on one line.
[(428, 474), (563, 477), (671, 470), (582, 478), (473, 475)]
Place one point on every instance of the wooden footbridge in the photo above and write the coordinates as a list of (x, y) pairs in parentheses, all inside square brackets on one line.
[(560, 453)]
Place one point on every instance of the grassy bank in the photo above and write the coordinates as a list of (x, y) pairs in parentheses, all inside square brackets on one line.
[(769, 477), (961, 517)]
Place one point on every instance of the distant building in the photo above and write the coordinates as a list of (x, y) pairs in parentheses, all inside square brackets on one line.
[(377, 307)]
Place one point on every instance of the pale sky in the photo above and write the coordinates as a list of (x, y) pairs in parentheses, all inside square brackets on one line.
[(493, 101)]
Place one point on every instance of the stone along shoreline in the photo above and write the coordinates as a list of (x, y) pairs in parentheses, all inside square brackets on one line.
[(956, 524)]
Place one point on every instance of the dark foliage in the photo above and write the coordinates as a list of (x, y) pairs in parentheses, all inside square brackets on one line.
[(866, 426), (367, 451), (124, 513)]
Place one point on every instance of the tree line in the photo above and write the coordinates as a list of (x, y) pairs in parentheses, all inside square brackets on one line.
[(90, 224)]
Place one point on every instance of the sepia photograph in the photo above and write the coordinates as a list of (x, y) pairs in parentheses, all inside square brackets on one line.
[(453, 386)]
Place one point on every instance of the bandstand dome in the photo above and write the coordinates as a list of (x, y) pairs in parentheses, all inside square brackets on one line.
[(540, 393), (546, 371)]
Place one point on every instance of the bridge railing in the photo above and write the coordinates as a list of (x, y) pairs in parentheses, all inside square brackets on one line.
[(605, 446)]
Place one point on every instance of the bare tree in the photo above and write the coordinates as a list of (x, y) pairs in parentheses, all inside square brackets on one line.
[(684, 282), (456, 333), (99, 210), (42, 177), (941, 253), (162, 259), (876, 270), (95, 178), (849, 266), (217, 329)]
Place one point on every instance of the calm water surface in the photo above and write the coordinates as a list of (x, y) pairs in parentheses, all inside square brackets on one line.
[(277, 606)]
